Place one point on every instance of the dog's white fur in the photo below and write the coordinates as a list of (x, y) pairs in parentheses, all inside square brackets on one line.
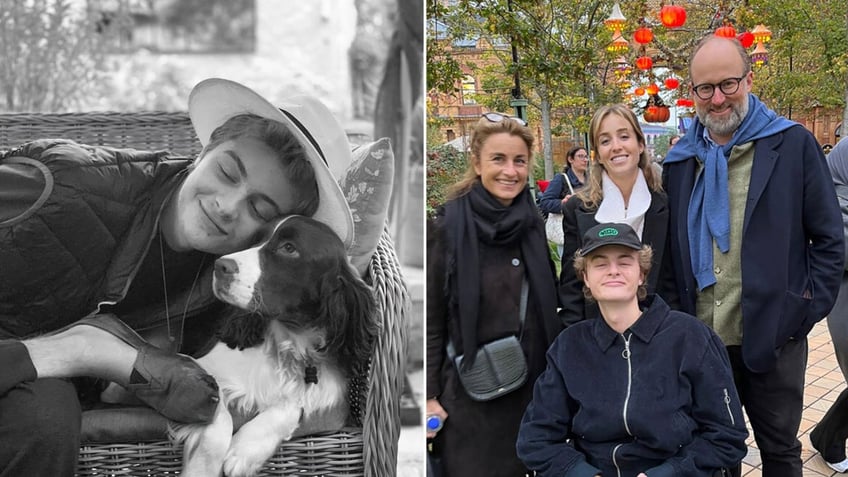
[(267, 381)]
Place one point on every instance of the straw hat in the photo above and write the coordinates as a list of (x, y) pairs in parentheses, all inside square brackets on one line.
[(215, 100)]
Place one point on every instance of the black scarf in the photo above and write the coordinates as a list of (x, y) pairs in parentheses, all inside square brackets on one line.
[(477, 216)]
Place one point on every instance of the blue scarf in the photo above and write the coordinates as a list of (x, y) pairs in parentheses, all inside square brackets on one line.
[(709, 207)]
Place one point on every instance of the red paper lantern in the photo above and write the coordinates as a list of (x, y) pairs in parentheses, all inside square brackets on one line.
[(673, 16), (656, 114), (726, 31), (652, 89), (746, 38), (644, 62), (643, 35), (639, 91), (672, 83)]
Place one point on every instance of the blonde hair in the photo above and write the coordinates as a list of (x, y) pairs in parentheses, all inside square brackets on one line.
[(646, 254), (593, 193), (482, 131)]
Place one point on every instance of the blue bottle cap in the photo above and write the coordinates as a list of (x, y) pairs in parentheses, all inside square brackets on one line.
[(434, 423)]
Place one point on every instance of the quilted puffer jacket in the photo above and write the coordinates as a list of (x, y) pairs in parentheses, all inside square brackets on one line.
[(75, 224)]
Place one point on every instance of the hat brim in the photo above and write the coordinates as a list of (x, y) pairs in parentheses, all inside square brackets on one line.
[(215, 100)]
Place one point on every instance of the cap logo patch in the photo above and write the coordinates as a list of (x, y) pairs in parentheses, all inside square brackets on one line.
[(608, 232)]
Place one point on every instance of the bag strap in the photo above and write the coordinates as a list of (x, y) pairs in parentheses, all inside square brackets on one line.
[(522, 312), (568, 183)]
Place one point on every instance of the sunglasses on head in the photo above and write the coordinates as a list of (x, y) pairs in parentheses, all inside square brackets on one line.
[(498, 117)]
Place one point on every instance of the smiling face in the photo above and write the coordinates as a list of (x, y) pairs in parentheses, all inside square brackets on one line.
[(503, 166), (717, 61), (619, 148), (613, 274), (234, 190)]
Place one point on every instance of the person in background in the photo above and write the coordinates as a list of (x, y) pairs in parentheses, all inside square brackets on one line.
[(756, 241), (559, 191), (483, 244), (673, 140), (829, 435), (644, 391), (624, 187)]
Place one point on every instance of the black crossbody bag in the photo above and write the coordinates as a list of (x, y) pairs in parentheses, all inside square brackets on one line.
[(500, 366)]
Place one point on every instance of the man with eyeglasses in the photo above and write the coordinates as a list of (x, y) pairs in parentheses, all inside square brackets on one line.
[(756, 241)]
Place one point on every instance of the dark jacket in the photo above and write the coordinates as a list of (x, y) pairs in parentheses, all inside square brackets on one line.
[(478, 438), (550, 202), (792, 243), (577, 219), (667, 407), (75, 223)]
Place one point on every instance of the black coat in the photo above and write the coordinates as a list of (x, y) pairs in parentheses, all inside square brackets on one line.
[(577, 220), (478, 438), (75, 223), (792, 242), (658, 398)]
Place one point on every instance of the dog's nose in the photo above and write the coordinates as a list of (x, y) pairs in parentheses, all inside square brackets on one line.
[(226, 266)]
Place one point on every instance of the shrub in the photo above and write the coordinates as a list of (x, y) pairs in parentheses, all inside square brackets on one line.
[(445, 166)]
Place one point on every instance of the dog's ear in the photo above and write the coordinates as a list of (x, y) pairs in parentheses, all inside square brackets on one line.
[(242, 329), (349, 307)]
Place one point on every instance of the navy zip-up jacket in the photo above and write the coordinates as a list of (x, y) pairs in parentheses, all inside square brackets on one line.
[(658, 398)]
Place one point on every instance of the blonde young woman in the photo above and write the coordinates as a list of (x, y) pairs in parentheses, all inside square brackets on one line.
[(623, 187), (484, 242)]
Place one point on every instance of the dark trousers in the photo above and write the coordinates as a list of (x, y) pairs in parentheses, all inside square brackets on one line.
[(773, 402), (829, 435), (39, 420)]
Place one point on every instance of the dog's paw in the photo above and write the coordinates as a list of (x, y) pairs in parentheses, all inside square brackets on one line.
[(245, 459)]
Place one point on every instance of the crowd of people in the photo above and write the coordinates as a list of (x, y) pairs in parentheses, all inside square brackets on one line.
[(685, 295)]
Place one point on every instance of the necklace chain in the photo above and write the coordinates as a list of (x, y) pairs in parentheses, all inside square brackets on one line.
[(171, 338)]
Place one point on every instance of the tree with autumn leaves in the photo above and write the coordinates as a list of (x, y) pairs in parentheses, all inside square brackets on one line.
[(566, 71)]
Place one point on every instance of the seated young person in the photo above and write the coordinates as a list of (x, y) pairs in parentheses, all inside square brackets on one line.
[(645, 391)]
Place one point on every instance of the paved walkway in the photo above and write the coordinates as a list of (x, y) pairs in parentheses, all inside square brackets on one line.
[(824, 383)]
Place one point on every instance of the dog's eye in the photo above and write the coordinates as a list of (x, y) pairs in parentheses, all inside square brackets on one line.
[(287, 248)]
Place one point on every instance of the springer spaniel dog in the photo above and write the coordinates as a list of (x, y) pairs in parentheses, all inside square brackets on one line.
[(314, 317)]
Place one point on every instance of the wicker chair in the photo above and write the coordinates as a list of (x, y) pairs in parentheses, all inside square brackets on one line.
[(374, 399)]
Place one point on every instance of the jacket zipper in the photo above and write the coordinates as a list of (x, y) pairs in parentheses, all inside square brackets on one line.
[(626, 355), (727, 403), (617, 470)]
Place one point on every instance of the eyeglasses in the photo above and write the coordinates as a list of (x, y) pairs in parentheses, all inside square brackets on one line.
[(498, 117), (581, 156), (729, 86)]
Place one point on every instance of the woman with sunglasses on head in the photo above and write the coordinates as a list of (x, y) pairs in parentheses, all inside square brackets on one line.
[(623, 187), (559, 191), (483, 246), (99, 243)]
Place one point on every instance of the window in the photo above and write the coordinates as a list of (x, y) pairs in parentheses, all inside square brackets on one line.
[(178, 26), (469, 89)]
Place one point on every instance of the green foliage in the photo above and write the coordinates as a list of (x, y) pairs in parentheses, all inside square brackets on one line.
[(52, 55), (661, 144), (445, 166), (807, 54)]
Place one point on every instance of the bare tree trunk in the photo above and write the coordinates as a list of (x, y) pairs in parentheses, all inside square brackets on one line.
[(547, 143)]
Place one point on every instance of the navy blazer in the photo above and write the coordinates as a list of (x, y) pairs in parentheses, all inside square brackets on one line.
[(792, 242)]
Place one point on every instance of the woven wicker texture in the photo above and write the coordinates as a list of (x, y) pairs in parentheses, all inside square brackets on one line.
[(370, 451)]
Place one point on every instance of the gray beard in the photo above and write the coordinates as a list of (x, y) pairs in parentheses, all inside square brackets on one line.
[(725, 127)]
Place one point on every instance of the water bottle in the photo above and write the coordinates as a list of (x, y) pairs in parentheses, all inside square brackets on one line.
[(434, 423)]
